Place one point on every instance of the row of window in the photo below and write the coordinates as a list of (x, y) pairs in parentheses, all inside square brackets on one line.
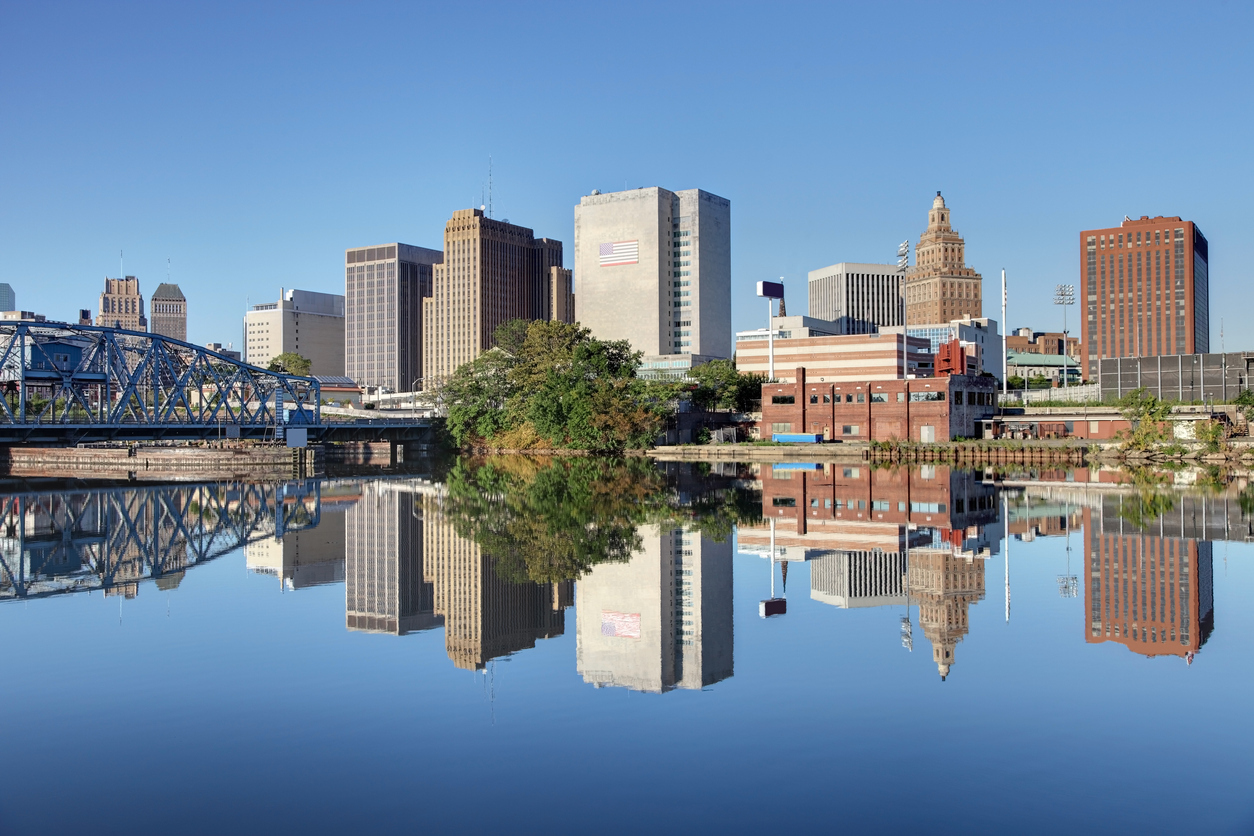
[(861, 505), (973, 398), (1160, 236)]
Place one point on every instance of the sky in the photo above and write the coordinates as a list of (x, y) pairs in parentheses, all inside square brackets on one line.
[(238, 148)]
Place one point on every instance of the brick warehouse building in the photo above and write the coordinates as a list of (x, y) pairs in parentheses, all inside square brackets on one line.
[(922, 409)]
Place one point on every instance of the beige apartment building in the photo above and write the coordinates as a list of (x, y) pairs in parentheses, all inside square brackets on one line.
[(169, 312), (940, 287), (384, 287), (493, 271), (302, 322), (122, 305)]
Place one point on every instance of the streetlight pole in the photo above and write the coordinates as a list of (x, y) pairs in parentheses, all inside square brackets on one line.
[(1064, 295)]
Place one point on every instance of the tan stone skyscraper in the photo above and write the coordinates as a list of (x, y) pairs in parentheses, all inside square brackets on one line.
[(493, 272), (122, 305), (940, 287)]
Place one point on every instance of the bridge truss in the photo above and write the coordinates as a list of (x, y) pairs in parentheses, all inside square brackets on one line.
[(93, 377), (84, 539)]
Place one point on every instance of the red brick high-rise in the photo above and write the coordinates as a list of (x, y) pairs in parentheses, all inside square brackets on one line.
[(1144, 287)]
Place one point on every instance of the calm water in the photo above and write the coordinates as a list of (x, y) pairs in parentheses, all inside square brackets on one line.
[(578, 647)]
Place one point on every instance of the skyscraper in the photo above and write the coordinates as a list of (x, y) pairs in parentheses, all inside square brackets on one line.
[(493, 271), (859, 298), (940, 287), (383, 291), (122, 305), (169, 312), (8, 299), (1145, 285), (661, 621), (653, 267)]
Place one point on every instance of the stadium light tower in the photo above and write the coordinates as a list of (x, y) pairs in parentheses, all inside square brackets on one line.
[(1064, 295)]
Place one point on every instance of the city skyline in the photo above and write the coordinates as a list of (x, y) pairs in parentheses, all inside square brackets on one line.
[(203, 188)]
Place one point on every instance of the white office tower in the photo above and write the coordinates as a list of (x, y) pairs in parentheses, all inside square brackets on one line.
[(653, 267), (859, 298), (662, 620)]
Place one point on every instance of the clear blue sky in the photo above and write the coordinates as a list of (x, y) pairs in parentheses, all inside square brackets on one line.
[(250, 143)]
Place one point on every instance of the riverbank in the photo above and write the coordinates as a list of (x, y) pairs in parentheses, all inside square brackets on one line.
[(963, 452), (196, 462)]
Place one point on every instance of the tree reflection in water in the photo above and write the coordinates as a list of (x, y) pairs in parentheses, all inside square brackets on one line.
[(553, 519)]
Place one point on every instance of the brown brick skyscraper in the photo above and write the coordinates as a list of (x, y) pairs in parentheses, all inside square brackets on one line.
[(940, 287), (1145, 288)]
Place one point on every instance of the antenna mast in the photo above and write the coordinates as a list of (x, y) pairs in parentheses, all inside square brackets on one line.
[(489, 185)]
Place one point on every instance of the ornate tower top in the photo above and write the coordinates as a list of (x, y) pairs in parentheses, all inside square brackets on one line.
[(938, 218)]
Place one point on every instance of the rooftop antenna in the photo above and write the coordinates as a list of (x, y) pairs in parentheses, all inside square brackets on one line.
[(121, 272), (489, 185)]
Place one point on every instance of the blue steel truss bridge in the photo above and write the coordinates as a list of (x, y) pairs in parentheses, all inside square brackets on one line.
[(68, 384), (111, 538)]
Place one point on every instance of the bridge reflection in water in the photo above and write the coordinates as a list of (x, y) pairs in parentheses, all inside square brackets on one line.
[(61, 540)]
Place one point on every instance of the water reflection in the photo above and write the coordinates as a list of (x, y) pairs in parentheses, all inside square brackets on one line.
[(884, 537), (495, 552), (60, 539), (660, 620)]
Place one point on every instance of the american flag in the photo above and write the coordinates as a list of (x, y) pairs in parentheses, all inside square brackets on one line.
[(620, 252), (620, 624)]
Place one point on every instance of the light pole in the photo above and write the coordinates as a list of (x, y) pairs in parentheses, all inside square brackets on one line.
[(1064, 295), (413, 394), (770, 291)]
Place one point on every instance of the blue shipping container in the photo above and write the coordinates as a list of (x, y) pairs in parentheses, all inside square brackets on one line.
[(798, 438)]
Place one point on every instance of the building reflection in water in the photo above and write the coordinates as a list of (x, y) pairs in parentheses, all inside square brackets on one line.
[(885, 537), (1147, 557), (385, 590), (1153, 594), (663, 619), (484, 615), (309, 557)]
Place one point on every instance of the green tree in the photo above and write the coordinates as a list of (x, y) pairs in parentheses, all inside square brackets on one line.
[(720, 386), (475, 397), (1147, 415), (510, 335), (289, 362)]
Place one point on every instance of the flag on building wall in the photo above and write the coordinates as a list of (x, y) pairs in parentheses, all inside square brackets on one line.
[(620, 252), (620, 624)]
